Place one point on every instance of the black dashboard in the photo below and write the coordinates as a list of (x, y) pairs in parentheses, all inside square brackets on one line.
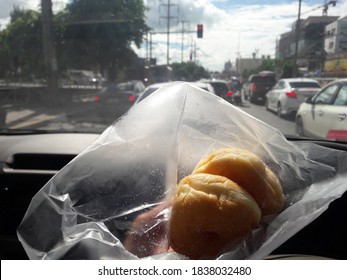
[(27, 162)]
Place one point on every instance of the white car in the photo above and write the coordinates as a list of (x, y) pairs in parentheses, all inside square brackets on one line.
[(325, 114), (287, 94)]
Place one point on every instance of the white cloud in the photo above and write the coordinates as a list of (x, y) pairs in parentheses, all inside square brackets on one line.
[(227, 33), (242, 29), (7, 7)]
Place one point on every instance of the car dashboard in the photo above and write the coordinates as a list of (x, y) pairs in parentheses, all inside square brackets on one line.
[(27, 162)]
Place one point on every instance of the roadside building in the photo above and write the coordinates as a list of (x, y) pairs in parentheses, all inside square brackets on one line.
[(335, 46), (310, 41)]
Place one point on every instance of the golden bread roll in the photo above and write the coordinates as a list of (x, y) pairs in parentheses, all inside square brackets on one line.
[(250, 173), (208, 213)]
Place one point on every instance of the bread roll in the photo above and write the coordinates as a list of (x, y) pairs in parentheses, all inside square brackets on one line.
[(250, 173), (209, 212)]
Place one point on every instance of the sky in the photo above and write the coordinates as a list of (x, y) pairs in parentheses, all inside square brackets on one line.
[(232, 28)]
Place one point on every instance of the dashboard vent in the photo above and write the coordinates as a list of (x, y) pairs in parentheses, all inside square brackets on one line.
[(39, 161)]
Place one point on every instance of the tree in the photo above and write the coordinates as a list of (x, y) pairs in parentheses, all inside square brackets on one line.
[(99, 34), (286, 66), (21, 51), (88, 34), (189, 71), (273, 64)]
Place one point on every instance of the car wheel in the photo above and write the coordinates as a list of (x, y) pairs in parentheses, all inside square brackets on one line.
[(279, 110), (299, 126)]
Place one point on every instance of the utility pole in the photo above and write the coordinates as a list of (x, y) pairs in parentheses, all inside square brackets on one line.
[(147, 49), (182, 46), (50, 59), (193, 51), (297, 35), (150, 48), (168, 18)]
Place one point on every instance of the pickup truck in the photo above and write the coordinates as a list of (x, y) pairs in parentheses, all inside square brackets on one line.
[(257, 85)]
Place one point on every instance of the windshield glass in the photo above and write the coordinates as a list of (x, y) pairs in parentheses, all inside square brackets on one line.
[(65, 65)]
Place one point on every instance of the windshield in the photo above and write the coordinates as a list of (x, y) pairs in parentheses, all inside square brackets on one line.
[(59, 59)]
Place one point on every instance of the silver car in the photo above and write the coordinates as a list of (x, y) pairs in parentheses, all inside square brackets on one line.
[(287, 94), (325, 114)]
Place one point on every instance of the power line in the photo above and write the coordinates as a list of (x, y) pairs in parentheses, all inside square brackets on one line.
[(168, 18), (183, 31)]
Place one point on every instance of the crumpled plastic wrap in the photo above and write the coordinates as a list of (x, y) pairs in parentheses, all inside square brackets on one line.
[(88, 209)]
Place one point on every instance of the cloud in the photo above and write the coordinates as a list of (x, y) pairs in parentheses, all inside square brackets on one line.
[(231, 27), (7, 7), (238, 30)]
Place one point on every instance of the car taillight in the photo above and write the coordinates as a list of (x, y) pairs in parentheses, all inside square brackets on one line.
[(254, 86), (131, 98), (291, 94), (96, 98), (230, 93)]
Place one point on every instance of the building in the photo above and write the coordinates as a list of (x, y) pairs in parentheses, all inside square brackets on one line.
[(335, 46), (336, 37), (309, 40)]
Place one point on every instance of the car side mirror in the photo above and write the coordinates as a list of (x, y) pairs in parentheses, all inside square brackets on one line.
[(309, 100)]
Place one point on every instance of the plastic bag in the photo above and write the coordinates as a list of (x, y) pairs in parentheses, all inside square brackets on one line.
[(87, 210)]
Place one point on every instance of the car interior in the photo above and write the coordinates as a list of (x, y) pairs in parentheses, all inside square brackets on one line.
[(27, 166), (70, 70)]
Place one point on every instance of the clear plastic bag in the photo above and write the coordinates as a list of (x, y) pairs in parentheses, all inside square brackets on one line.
[(87, 211)]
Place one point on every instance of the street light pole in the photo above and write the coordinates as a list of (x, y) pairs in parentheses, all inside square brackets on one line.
[(297, 35)]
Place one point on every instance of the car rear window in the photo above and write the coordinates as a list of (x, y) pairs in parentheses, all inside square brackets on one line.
[(220, 88), (125, 86), (304, 85), (264, 79)]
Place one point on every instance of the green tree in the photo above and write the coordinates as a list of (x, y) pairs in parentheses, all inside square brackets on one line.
[(189, 71), (88, 34), (286, 66), (21, 47), (98, 34), (274, 64)]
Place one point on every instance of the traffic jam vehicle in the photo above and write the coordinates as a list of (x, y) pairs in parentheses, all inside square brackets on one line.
[(324, 115)]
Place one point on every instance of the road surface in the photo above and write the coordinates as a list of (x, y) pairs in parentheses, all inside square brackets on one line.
[(286, 126)]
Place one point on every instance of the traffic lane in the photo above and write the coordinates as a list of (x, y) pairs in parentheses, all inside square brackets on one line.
[(285, 125)]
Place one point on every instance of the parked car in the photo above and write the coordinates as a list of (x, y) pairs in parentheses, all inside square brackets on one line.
[(153, 87), (287, 94), (325, 114), (257, 85), (116, 98)]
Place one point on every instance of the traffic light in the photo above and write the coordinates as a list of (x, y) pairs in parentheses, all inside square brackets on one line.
[(200, 30)]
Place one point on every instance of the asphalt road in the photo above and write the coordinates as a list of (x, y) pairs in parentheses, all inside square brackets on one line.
[(83, 116), (285, 125)]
